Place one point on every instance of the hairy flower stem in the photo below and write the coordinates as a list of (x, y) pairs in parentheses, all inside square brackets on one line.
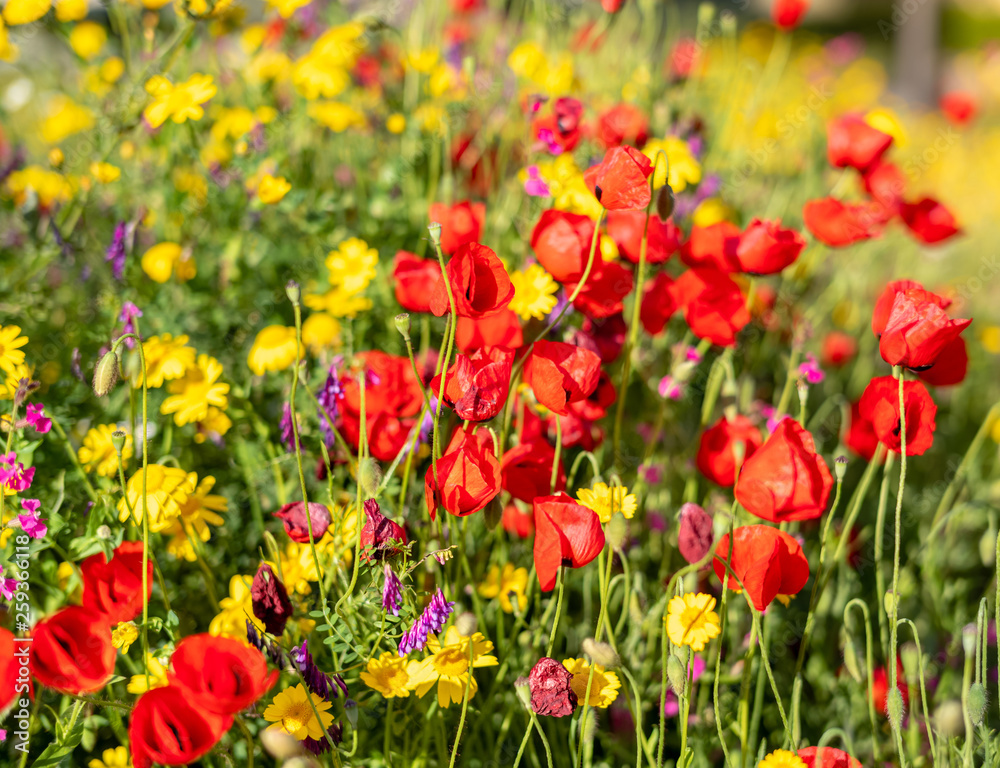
[(447, 343), (465, 708), (869, 669), (560, 587), (893, 628), (883, 501), (555, 457)]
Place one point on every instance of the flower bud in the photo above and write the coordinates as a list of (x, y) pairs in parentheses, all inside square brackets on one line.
[(601, 653), (103, 532), (293, 291), (665, 202), (369, 476), (106, 373), (616, 532), (889, 601), (403, 325), (435, 232), (894, 708), (118, 438), (840, 468), (301, 761), (351, 713), (976, 703), (948, 718), (523, 691), (911, 661), (465, 623), (970, 636), (851, 662), (675, 674)]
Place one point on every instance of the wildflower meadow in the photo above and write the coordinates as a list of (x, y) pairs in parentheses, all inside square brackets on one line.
[(401, 383)]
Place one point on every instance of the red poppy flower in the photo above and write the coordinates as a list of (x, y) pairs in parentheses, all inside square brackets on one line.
[(785, 479), (960, 107), (560, 374), (269, 600), (950, 367), (929, 220), (861, 437), (853, 143), (885, 182), (561, 242), (461, 224), (293, 517), (622, 123), (880, 405), (839, 224), (766, 247), (713, 305), (415, 279), (716, 459), (918, 329), (551, 692), (219, 674), (620, 182), (378, 533), (827, 757), (663, 238), (766, 560), (657, 304), (566, 533), (526, 471), (468, 473), (500, 330), (480, 285), (883, 305), (839, 349), (787, 13), (601, 296), (168, 728), (10, 665), (612, 6), (684, 57), (516, 522), (603, 335), (71, 651), (561, 128), (713, 246), (115, 589), (477, 385)]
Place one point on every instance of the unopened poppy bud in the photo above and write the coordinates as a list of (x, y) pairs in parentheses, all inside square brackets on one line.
[(280, 745), (739, 453), (894, 708), (803, 390), (521, 687), (910, 658), (851, 659), (665, 202), (616, 532), (970, 636), (987, 547), (601, 653), (369, 476), (729, 388), (840, 468), (706, 12), (103, 532), (465, 623), (675, 674), (118, 438), (976, 703), (889, 601), (403, 325), (106, 373), (949, 719), (435, 232), (294, 292), (727, 24)]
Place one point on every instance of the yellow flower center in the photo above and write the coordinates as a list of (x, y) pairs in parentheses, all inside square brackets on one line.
[(451, 661), (296, 718)]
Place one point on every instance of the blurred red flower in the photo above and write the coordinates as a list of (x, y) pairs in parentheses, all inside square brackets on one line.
[(479, 282), (415, 279), (839, 348), (713, 246), (766, 248), (716, 459), (517, 522), (767, 560), (788, 13), (71, 651), (561, 242), (880, 405), (852, 143), (468, 475), (620, 124), (657, 304), (929, 220), (293, 517), (560, 374), (561, 129), (626, 228), (839, 224), (526, 470), (566, 533), (603, 293), (115, 589), (461, 223), (960, 107), (476, 386), (168, 728), (393, 399), (620, 181), (827, 757), (219, 674), (712, 303)]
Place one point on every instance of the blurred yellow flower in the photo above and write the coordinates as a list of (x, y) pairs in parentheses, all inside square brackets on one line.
[(603, 687), (236, 609), (71, 10), (105, 173), (711, 211), (87, 39), (25, 11), (179, 102), (272, 189), (505, 584), (56, 157), (111, 69), (197, 513), (990, 338), (117, 757), (11, 341), (388, 675), (269, 65), (298, 567), (167, 358), (338, 302), (534, 292), (609, 249), (157, 669), (213, 426), (315, 77), (684, 169), (98, 452), (887, 121), (274, 349), (320, 331), (395, 123), (336, 116), (63, 118), (606, 500), (191, 396), (123, 635), (341, 45), (423, 61), (352, 265), (167, 489), (165, 259), (286, 8), (9, 385)]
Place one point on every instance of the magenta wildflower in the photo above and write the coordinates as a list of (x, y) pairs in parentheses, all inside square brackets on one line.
[(287, 429), (33, 525), (7, 586), (811, 371), (392, 592), (432, 621), (116, 251), (671, 388), (13, 476), (535, 185), (36, 419)]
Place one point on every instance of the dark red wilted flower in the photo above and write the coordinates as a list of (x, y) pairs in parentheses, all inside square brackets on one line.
[(960, 107), (293, 517), (785, 479), (560, 373), (657, 304), (620, 181), (694, 538), (861, 437), (880, 405), (853, 143), (71, 651), (620, 124), (378, 533), (603, 293), (766, 247), (626, 228), (918, 329), (827, 757), (839, 224), (480, 285), (566, 533), (477, 385), (219, 674), (713, 246), (526, 471), (468, 473), (929, 220), (561, 242), (604, 335), (839, 348), (950, 367), (716, 457), (415, 279), (788, 13), (167, 727), (500, 330), (551, 693), (767, 560), (712, 303), (461, 223), (115, 589), (270, 601), (519, 523)]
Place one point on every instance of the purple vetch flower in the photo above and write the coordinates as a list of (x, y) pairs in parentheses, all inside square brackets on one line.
[(329, 398), (116, 251), (392, 592), (320, 746), (316, 681), (432, 621), (287, 430)]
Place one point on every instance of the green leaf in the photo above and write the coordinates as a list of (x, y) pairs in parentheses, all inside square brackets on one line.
[(57, 752)]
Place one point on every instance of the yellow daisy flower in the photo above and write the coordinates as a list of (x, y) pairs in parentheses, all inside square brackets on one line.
[(9, 385), (782, 758), (112, 758), (298, 567), (691, 620), (123, 635), (215, 424), (605, 501), (179, 102), (352, 265), (603, 688), (291, 712), (197, 513), (167, 489), (157, 669), (191, 396), (11, 341), (98, 452), (510, 582), (167, 358), (534, 292), (235, 609), (388, 675), (448, 666), (274, 349)]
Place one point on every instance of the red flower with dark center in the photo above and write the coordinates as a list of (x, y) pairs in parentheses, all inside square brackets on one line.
[(526, 471), (622, 123), (853, 143), (476, 386), (950, 367), (220, 675), (918, 329), (788, 13), (929, 220), (168, 728), (461, 224), (603, 293), (663, 238), (840, 224), (71, 651), (716, 457), (269, 600), (378, 533), (694, 535), (861, 437), (839, 348), (657, 304), (621, 181), (551, 692), (560, 374), (766, 560), (827, 757), (293, 517), (566, 533), (415, 279), (880, 405), (561, 242), (785, 479), (115, 589), (766, 247), (713, 246), (480, 285), (468, 475), (500, 330), (712, 303), (516, 522)]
